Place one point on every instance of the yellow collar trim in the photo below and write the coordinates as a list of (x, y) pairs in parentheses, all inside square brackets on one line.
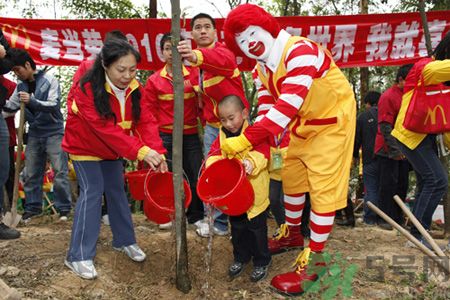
[(164, 73)]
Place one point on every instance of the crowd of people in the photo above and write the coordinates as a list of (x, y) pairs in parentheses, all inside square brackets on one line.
[(297, 153)]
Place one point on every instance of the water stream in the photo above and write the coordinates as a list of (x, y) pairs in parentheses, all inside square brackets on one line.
[(208, 255)]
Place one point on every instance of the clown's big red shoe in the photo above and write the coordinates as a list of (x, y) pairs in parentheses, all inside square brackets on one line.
[(288, 238), (296, 282)]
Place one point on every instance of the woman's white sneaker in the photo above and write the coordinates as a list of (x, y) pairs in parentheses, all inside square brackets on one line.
[(84, 268), (165, 226), (133, 252)]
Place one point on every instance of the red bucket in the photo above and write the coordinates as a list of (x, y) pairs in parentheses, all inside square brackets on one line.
[(136, 180), (159, 204), (224, 184)]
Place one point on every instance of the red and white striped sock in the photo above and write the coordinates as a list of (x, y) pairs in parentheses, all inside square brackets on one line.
[(294, 205), (321, 225)]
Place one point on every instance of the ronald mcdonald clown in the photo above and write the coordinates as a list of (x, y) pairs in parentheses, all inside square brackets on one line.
[(315, 100)]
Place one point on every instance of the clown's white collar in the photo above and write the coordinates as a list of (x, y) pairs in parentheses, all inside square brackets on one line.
[(276, 52)]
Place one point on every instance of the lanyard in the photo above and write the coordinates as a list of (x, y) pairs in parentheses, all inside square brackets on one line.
[(279, 139)]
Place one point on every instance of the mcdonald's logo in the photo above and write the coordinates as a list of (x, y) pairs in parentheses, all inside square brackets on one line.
[(431, 114), (15, 32)]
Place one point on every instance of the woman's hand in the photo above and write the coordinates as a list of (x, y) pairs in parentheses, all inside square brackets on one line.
[(248, 166), (154, 159), (163, 168), (2, 52)]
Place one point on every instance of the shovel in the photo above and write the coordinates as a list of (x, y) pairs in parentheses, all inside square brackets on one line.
[(11, 218), (438, 260), (419, 227)]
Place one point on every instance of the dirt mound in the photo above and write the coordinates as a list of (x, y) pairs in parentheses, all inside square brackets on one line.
[(34, 265)]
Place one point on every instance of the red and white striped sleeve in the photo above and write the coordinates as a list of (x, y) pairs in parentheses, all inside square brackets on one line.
[(265, 98), (304, 62)]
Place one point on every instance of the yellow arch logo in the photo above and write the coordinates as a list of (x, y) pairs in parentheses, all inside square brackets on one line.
[(15, 32), (431, 114)]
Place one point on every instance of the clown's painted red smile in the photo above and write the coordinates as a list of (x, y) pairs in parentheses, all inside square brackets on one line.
[(255, 42), (256, 48)]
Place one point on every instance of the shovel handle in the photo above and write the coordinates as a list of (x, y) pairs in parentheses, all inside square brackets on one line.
[(18, 160), (410, 237), (419, 226)]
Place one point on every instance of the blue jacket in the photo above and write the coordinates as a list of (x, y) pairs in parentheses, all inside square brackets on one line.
[(43, 112)]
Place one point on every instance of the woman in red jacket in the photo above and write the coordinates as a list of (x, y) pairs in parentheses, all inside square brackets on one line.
[(106, 121)]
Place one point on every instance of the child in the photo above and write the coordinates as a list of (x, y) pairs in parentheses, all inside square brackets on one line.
[(159, 94), (249, 230)]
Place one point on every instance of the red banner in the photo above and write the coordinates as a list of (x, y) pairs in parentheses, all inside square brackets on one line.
[(354, 41)]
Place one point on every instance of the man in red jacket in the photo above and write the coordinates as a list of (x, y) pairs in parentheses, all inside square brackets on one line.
[(218, 76)]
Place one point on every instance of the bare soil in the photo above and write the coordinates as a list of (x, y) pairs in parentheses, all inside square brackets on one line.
[(34, 266)]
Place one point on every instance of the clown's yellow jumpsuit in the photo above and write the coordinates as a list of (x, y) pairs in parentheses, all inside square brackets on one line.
[(315, 100)]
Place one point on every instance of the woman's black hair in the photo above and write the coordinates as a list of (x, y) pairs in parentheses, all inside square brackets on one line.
[(442, 50), (112, 50)]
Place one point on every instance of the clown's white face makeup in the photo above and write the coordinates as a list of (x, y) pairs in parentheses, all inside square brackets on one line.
[(255, 42)]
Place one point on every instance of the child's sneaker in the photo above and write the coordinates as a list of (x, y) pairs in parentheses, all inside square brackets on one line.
[(198, 224), (235, 269), (202, 229), (26, 217), (276, 233), (219, 232), (259, 273), (63, 215)]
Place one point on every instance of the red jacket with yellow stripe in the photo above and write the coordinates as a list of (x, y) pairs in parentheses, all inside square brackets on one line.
[(218, 77), (158, 93), (84, 66), (89, 136)]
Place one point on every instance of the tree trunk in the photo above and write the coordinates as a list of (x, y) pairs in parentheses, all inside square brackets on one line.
[(183, 282), (445, 199), (426, 31), (285, 9), (153, 9)]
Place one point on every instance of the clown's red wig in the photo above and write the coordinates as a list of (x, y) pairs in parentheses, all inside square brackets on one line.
[(243, 16)]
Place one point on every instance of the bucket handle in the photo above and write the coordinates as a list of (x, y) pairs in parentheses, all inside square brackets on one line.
[(202, 167), (146, 180)]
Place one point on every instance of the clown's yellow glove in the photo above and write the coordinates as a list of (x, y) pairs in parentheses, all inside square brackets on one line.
[(232, 146)]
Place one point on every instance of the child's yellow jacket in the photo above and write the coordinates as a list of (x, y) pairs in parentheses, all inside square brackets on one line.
[(259, 178)]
